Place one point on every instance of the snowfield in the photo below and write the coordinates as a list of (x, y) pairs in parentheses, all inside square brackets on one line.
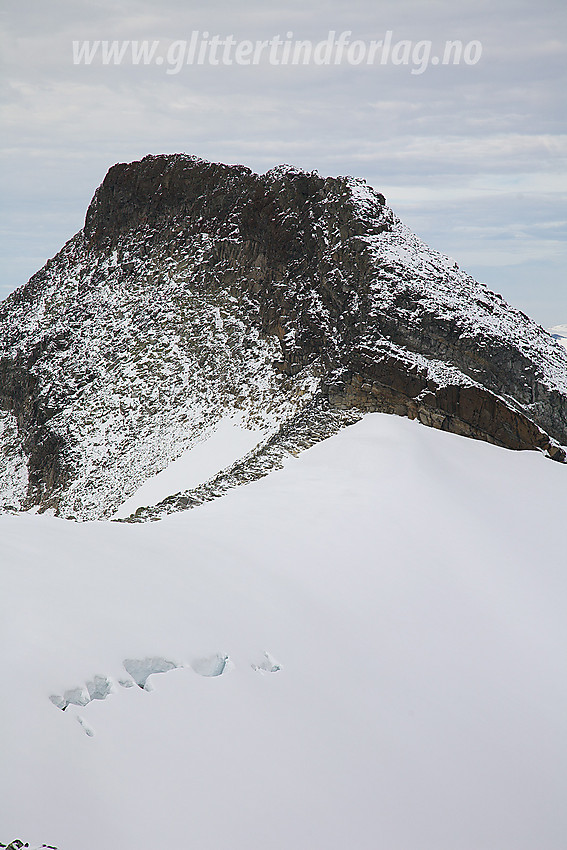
[(363, 650)]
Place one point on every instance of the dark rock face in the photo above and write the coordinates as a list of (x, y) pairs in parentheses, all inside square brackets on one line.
[(205, 287)]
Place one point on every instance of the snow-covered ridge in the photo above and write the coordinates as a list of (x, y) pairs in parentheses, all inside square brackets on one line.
[(438, 285)]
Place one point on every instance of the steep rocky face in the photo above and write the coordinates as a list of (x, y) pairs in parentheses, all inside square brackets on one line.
[(197, 289)]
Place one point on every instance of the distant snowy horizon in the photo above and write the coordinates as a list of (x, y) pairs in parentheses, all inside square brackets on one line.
[(559, 332)]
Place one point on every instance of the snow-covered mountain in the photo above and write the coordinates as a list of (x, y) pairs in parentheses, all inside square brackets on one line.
[(199, 294), (365, 649)]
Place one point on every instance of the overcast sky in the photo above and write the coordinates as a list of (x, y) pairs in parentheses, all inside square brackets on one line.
[(471, 156)]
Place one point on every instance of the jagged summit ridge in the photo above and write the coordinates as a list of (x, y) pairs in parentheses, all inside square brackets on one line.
[(230, 201), (198, 289)]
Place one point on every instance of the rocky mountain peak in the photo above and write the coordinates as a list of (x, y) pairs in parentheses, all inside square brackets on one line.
[(276, 209), (198, 290)]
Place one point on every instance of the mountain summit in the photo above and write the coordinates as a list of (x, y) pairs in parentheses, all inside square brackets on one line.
[(196, 291)]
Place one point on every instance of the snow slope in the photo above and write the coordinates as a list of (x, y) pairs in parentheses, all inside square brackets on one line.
[(409, 583), (229, 441)]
